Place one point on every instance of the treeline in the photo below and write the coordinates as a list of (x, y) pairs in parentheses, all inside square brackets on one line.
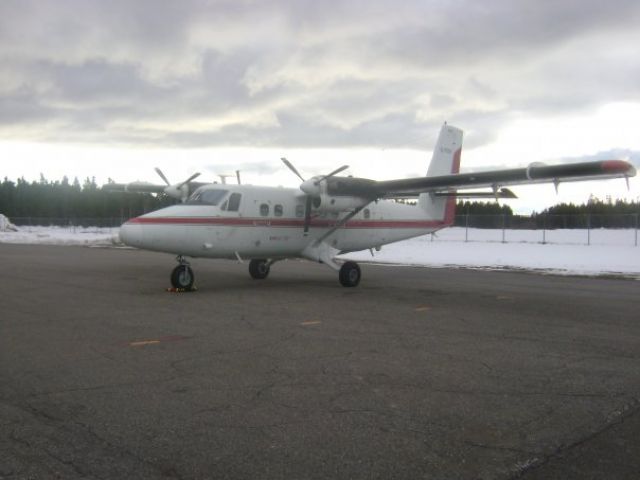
[(63, 201), (593, 214), (595, 206)]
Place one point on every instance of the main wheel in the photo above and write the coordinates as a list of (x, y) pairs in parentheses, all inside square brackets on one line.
[(349, 274), (258, 269), (182, 277)]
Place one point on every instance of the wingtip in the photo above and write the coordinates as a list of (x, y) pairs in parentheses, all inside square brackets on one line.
[(618, 166)]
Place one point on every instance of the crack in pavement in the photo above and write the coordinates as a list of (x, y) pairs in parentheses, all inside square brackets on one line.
[(87, 445), (613, 419)]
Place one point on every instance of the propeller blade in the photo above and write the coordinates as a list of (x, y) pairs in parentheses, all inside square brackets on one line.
[(195, 175), (307, 214), (335, 172), (180, 190), (159, 172), (292, 168)]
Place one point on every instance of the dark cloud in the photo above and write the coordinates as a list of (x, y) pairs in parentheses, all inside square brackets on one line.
[(381, 74), (22, 107)]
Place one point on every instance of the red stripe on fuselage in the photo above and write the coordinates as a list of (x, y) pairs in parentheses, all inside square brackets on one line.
[(282, 222)]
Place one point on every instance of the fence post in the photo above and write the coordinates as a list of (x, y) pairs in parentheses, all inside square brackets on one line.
[(588, 229), (504, 226), (466, 228), (636, 242), (544, 229)]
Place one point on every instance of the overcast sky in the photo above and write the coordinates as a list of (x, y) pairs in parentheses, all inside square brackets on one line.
[(114, 88)]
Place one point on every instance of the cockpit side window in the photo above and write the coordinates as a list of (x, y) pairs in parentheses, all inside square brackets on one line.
[(234, 202), (207, 197)]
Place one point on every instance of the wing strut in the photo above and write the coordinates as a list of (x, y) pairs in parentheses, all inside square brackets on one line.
[(340, 224)]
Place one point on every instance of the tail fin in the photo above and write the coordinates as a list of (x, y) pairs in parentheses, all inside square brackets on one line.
[(445, 161)]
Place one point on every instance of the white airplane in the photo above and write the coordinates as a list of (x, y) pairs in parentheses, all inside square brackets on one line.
[(329, 215)]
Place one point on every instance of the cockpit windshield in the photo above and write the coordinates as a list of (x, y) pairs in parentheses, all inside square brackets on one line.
[(205, 196)]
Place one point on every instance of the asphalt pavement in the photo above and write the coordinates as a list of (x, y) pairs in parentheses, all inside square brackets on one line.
[(416, 373)]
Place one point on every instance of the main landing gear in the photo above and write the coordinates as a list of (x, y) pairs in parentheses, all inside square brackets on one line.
[(349, 274), (182, 276), (259, 268)]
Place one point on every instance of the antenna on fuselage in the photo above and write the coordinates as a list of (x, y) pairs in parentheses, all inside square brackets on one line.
[(223, 177)]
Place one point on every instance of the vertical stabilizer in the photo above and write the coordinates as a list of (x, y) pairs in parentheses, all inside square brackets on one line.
[(445, 161)]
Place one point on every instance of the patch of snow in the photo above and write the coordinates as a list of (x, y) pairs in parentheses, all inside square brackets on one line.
[(89, 236), (6, 225), (612, 252)]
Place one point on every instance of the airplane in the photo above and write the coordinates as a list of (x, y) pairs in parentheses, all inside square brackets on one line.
[(329, 214)]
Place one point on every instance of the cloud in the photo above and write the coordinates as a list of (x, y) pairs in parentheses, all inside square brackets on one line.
[(377, 74)]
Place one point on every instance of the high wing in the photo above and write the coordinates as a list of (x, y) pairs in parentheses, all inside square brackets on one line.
[(534, 173), (495, 179), (180, 190), (144, 187)]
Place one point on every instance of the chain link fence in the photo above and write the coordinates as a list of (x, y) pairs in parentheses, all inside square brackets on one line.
[(619, 229), (584, 229)]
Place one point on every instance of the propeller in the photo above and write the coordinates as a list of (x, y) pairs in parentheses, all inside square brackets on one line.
[(159, 172), (311, 188), (177, 190), (292, 168)]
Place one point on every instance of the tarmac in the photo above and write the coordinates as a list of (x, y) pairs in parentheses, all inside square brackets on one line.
[(416, 373)]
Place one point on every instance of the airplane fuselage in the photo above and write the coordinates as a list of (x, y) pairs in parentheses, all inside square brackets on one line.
[(267, 222)]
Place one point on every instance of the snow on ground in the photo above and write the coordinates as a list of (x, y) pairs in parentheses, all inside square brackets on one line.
[(612, 252), (90, 236)]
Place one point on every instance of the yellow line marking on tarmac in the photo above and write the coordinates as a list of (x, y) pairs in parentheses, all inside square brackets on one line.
[(143, 342), (422, 308), (311, 322)]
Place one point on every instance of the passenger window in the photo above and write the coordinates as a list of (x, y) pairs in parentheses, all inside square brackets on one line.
[(277, 210), (234, 202), (264, 210), (367, 213), (300, 211)]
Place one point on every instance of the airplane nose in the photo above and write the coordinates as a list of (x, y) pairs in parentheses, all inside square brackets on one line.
[(131, 234)]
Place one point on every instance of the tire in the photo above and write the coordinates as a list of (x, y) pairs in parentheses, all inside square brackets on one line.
[(182, 277), (259, 269), (349, 274)]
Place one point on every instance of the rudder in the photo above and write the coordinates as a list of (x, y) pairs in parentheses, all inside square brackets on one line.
[(444, 161)]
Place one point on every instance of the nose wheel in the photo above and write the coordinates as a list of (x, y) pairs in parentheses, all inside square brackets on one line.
[(182, 276)]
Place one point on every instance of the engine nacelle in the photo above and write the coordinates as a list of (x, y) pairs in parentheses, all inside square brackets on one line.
[(337, 204)]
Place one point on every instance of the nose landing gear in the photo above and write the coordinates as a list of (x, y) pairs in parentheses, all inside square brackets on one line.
[(182, 276)]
